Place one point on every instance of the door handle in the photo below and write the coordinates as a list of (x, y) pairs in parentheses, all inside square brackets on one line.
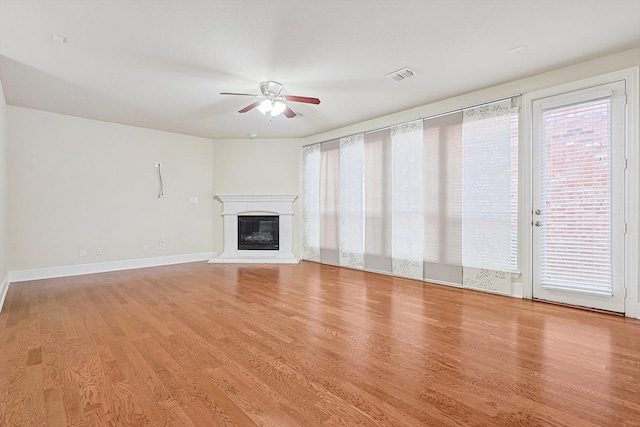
[(537, 224), (538, 212)]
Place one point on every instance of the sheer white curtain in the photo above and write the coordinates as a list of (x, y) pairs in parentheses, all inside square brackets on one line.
[(352, 201), (486, 237), (430, 199), (407, 217), (442, 138), (311, 202), (377, 200), (330, 202)]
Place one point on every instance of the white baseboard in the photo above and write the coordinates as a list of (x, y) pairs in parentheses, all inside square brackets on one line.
[(103, 267), (517, 290), (4, 288)]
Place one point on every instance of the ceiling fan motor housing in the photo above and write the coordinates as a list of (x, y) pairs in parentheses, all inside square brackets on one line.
[(270, 89)]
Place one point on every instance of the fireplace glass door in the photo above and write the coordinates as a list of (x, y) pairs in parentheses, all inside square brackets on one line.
[(258, 233)]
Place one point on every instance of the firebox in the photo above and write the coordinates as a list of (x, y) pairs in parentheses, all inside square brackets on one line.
[(258, 232)]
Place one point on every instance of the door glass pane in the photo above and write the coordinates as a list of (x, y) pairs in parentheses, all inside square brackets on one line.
[(576, 193)]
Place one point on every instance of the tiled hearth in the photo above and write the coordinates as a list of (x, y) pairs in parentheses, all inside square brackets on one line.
[(234, 204)]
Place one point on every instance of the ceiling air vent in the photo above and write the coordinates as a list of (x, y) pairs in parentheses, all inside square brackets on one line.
[(58, 38), (401, 74)]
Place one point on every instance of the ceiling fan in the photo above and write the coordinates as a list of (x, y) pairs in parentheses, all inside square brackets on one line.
[(272, 101)]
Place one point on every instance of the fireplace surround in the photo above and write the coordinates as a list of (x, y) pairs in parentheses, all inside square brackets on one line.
[(239, 205)]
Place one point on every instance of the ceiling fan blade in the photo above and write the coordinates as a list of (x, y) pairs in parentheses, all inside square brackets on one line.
[(250, 107), (304, 99), (241, 94), (289, 113)]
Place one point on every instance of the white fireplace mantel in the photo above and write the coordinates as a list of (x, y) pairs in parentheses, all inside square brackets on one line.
[(234, 204)]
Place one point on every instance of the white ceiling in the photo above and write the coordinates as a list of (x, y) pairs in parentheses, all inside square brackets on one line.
[(162, 64)]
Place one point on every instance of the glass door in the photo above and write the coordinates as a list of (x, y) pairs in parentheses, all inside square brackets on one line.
[(578, 198)]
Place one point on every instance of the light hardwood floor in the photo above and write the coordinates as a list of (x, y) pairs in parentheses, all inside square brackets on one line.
[(304, 345)]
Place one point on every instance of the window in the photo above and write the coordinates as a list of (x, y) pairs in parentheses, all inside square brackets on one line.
[(422, 199)]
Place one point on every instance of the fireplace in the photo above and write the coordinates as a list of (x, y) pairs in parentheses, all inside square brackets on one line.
[(258, 232), (268, 233)]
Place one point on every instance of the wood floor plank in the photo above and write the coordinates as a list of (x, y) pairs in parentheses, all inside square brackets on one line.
[(71, 393), (34, 411), (289, 345), (54, 407), (13, 403)]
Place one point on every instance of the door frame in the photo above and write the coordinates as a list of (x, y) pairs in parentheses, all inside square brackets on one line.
[(632, 192)]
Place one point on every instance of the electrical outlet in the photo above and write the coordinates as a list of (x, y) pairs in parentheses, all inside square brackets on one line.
[(157, 164), (83, 252), (99, 251), (193, 199), (145, 248), (163, 245)]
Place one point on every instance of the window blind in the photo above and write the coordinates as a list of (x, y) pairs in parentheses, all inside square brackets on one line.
[(576, 215), (514, 190)]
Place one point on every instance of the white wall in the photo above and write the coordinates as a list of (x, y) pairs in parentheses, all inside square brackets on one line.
[(256, 166), (84, 184), (4, 277)]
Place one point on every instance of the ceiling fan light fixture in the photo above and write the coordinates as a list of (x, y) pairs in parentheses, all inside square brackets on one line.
[(277, 109), (265, 106)]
